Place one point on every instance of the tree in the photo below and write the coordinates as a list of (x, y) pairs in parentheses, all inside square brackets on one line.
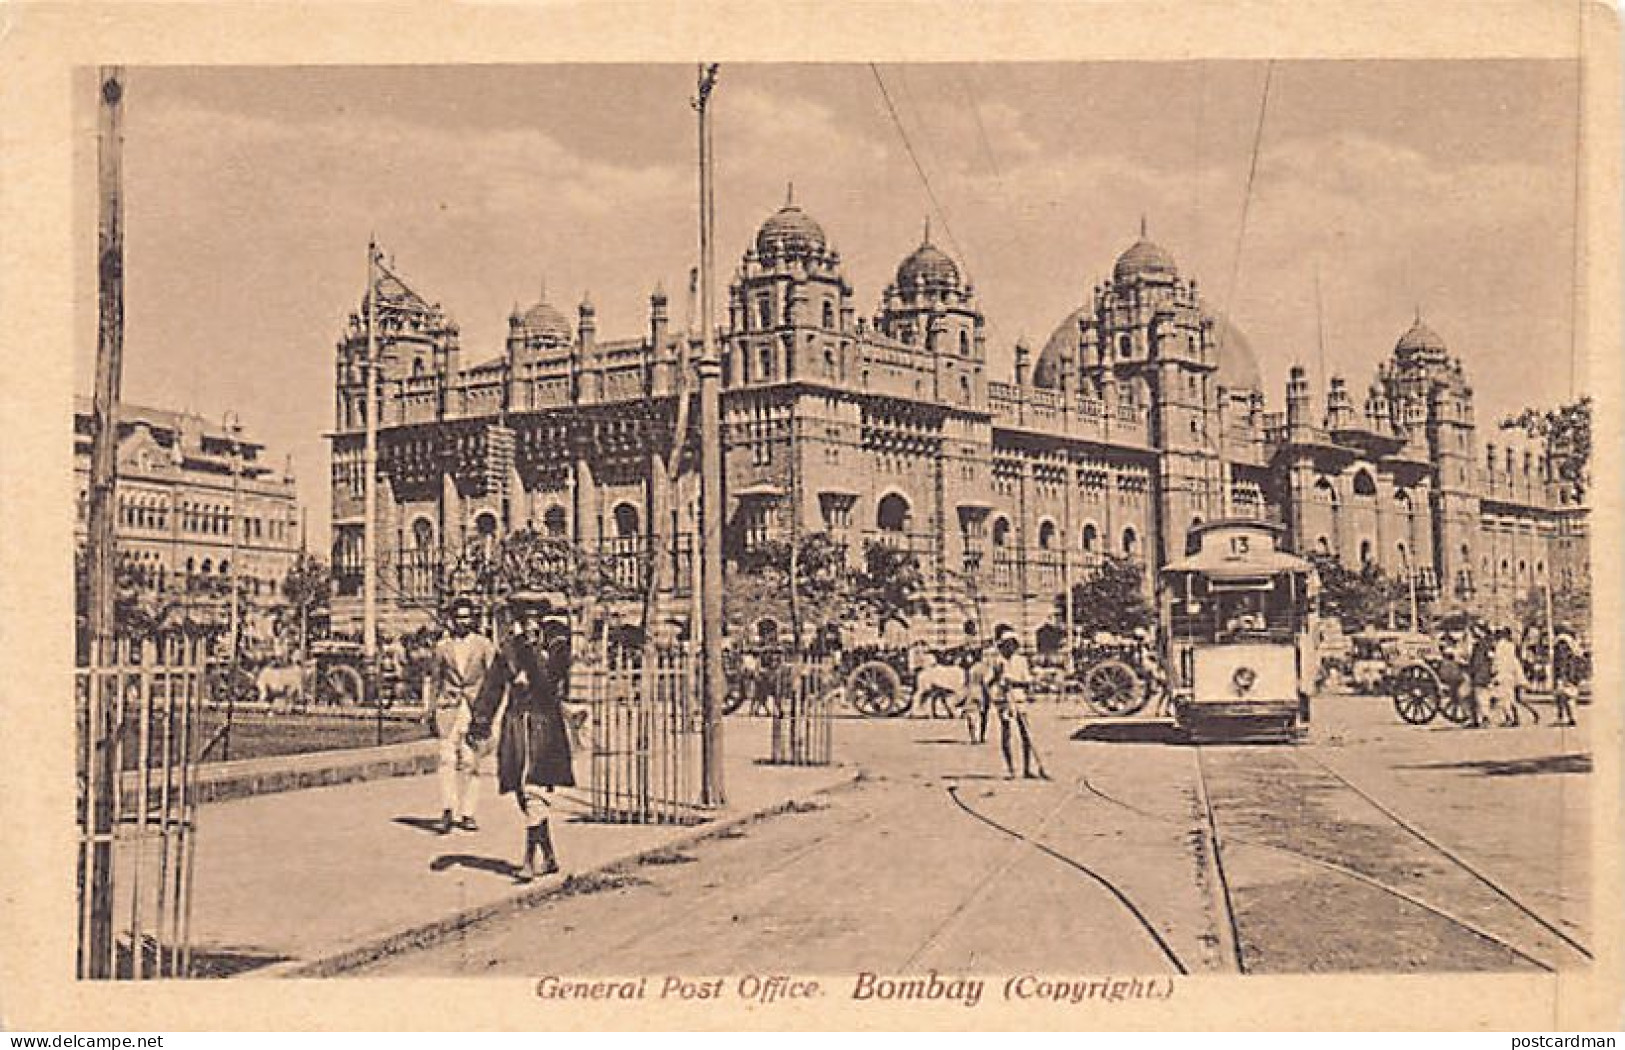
[(763, 574), (1571, 607), (1111, 598), (308, 586), (1358, 598), (1566, 434), (887, 588)]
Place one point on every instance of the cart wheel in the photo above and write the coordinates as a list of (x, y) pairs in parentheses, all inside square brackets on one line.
[(1112, 688), (1457, 705), (1416, 691), (733, 700), (876, 690), (342, 686)]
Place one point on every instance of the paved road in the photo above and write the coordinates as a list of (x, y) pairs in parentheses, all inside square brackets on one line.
[(935, 861)]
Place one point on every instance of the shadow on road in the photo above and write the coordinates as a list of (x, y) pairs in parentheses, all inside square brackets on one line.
[(1129, 732), (1521, 767), (467, 860), (429, 824)]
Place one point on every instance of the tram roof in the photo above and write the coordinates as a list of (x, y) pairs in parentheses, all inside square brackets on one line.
[(1214, 563)]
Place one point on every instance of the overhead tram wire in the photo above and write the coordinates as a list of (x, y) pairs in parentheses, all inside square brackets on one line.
[(925, 179), (1247, 195), (913, 155)]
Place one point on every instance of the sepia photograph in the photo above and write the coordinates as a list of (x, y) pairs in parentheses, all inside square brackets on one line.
[(837, 535)]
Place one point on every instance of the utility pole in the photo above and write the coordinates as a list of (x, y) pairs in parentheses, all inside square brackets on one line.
[(369, 499), (713, 686), (100, 549), (233, 427)]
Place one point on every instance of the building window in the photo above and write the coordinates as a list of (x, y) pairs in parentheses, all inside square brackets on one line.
[(626, 520), (1131, 542), (1091, 538), (555, 522), (755, 526), (1365, 553), (893, 514), (829, 315), (1125, 346), (764, 314), (1046, 534), (964, 344), (1363, 484), (766, 359), (1323, 546), (1001, 532), (964, 389)]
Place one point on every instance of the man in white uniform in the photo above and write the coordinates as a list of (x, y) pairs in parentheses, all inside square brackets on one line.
[(461, 659)]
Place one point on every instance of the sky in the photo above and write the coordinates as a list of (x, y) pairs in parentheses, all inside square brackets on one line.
[(1448, 187)]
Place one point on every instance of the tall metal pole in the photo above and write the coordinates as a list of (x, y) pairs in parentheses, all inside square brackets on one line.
[(369, 466), (1551, 627), (709, 366), (233, 634), (234, 429), (100, 549)]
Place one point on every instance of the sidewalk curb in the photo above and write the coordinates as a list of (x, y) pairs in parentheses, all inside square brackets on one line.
[(432, 933)]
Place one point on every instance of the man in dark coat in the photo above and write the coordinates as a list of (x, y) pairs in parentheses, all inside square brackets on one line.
[(532, 671)]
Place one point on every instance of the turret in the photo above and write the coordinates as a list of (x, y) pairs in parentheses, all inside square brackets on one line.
[(1023, 355)]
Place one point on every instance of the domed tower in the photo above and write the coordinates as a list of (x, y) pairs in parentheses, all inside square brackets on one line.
[(540, 331), (1431, 403), (414, 339), (1146, 340), (931, 306), (789, 307)]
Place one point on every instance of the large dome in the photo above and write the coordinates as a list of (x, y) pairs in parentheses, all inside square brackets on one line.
[(542, 322), (1238, 365), (927, 266), (1420, 341), (1144, 258), (790, 231)]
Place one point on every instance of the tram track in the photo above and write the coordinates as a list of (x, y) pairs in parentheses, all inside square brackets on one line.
[(1122, 898), (1219, 841)]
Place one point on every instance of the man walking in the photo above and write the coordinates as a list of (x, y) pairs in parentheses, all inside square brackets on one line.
[(1509, 677), (532, 672), (460, 661)]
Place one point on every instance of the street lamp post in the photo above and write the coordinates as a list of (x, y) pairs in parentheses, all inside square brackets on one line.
[(233, 427), (710, 373)]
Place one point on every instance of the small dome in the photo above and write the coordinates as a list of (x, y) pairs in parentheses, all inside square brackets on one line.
[(1420, 341), (789, 232), (1238, 365), (1144, 258), (1064, 340), (542, 322), (927, 266)]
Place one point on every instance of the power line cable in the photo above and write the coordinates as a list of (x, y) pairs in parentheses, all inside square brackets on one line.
[(1247, 196), (913, 155)]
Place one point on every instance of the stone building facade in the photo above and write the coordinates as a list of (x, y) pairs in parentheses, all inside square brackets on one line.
[(1142, 415), (175, 501)]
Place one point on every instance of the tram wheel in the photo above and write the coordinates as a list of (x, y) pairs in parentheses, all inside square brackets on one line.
[(1416, 693), (1112, 688), (876, 690)]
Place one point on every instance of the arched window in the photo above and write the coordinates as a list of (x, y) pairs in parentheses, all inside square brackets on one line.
[(423, 534), (766, 358), (1131, 542), (1091, 538), (1046, 534), (626, 519), (829, 362), (829, 314), (1323, 545), (1363, 484), (207, 566), (964, 344), (964, 389), (1001, 532), (892, 515), (554, 521), (764, 313), (1125, 346), (1365, 552), (485, 524)]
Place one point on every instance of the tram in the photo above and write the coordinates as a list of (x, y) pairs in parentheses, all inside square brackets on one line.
[(1238, 615)]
